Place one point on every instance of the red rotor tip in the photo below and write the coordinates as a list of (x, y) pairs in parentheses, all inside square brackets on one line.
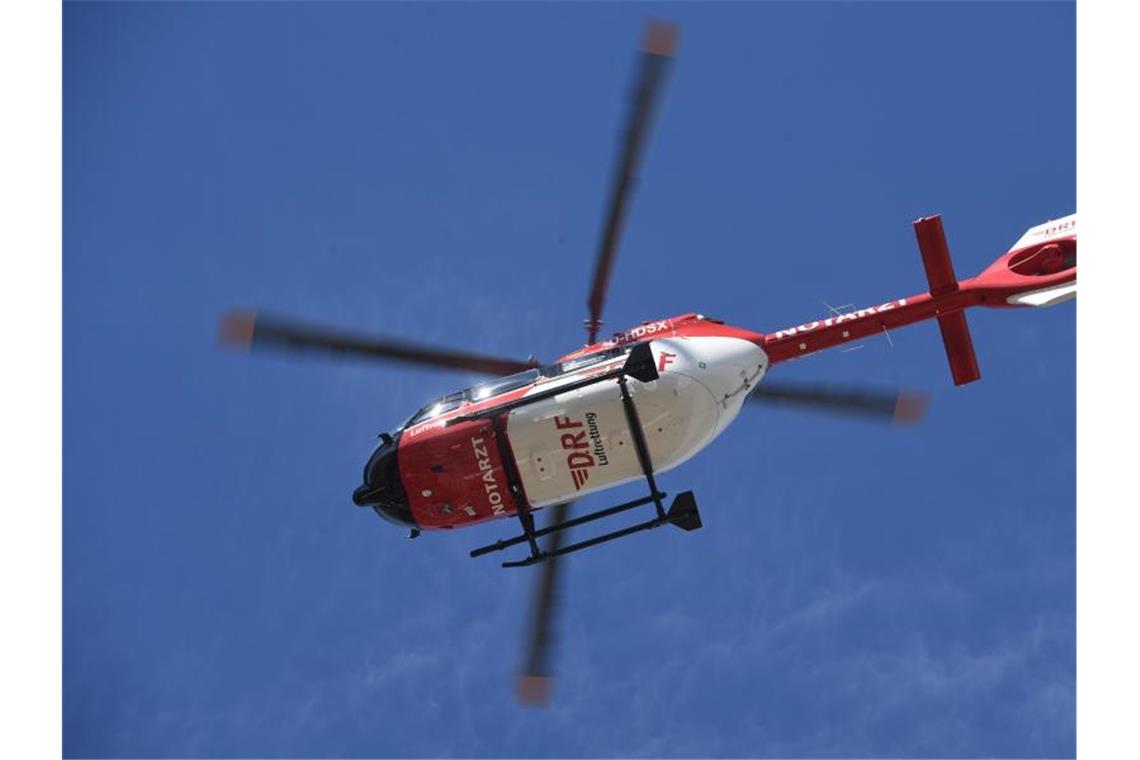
[(910, 408), (236, 329), (660, 38), (534, 690)]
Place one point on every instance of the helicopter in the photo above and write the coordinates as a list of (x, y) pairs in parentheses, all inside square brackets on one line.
[(642, 401)]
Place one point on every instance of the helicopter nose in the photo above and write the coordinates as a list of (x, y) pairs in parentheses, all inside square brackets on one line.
[(382, 489)]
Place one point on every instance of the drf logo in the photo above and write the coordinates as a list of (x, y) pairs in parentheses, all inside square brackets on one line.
[(665, 360), (1057, 229), (579, 459)]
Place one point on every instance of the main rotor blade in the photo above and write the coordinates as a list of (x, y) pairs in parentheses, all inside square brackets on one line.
[(656, 52), (887, 405), (536, 677), (248, 330)]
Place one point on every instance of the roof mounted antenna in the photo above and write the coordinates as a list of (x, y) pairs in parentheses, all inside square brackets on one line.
[(838, 311)]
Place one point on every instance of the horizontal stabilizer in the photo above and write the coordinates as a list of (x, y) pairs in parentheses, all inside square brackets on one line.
[(959, 348), (935, 255), (940, 274)]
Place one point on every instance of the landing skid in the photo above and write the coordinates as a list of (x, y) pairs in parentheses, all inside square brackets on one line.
[(683, 513)]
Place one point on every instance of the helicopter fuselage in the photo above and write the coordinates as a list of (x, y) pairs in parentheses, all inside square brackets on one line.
[(515, 444), (455, 471)]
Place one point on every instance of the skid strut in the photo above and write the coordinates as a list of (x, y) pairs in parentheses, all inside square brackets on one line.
[(682, 512)]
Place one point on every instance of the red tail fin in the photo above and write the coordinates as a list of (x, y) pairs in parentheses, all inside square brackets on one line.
[(940, 275)]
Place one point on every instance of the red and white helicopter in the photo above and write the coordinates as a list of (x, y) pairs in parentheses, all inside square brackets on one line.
[(643, 401)]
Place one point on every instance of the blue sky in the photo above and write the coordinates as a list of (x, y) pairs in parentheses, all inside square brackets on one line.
[(439, 171)]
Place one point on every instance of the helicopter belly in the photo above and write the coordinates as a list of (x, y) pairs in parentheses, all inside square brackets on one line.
[(455, 475), (581, 441)]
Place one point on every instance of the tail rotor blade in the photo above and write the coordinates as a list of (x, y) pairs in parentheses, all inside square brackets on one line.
[(886, 405), (536, 677), (248, 330)]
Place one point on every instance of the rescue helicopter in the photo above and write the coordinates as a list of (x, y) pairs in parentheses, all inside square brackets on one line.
[(640, 402)]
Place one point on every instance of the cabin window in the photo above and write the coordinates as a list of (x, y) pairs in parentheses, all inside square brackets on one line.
[(502, 385), (584, 361), (436, 408), (499, 386)]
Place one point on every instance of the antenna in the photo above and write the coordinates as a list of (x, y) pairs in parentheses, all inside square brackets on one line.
[(846, 308)]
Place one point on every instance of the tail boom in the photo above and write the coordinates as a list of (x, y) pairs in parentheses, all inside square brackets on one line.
[(1040, 270)]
